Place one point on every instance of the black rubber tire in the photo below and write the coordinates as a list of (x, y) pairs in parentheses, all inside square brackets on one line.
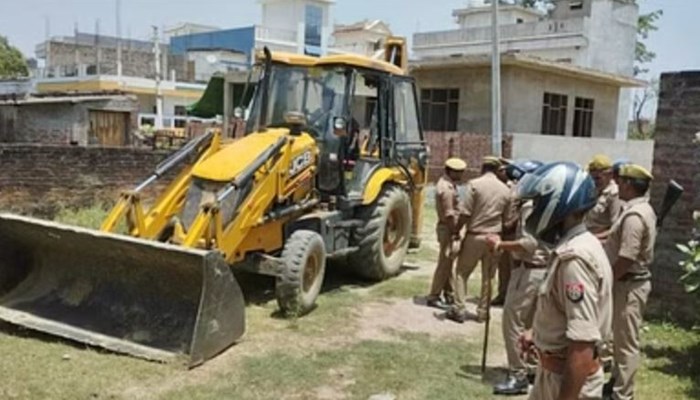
[(370, 261), (303, 249)]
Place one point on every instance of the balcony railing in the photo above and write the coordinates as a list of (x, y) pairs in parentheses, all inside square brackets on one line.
[(275, 34), (540, 29)]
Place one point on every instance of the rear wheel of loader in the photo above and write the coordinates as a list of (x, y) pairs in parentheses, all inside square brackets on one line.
[(383, 240), (299, 283)]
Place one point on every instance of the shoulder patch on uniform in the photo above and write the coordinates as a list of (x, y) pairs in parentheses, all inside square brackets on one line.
[(574, 291)]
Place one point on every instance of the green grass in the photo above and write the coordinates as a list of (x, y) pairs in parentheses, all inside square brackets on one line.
[(402, 288), (671, 367), (86, 217), (413, 368), (42, 368), (313, 356)]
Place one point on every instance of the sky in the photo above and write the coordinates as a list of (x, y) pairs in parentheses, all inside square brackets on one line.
[(677, 43)]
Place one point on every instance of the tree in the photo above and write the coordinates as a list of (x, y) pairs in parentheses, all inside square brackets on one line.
[(12, 63), (643, 129), (646, 24)]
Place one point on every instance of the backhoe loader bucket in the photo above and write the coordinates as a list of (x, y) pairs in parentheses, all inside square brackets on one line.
[(147, 299)]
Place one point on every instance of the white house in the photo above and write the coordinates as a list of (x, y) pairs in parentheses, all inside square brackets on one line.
[(591, 34), (364, 37)]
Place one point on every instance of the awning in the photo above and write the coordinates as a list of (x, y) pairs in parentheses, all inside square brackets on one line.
[(212, 102)]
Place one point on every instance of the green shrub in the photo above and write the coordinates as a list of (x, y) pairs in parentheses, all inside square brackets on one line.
[(691, 264)]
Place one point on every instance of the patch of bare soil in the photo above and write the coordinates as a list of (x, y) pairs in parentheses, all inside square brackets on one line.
[(342, 378), (386, 321)]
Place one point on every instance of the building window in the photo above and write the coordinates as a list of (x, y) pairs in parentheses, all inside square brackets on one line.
[(554, 114), (583, 117), (180, 110), (439, 109), (312, 35), (519, 20)]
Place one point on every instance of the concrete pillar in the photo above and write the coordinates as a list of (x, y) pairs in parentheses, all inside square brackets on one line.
[(325, 38), (301, 38), (623, 114), (228, 106)]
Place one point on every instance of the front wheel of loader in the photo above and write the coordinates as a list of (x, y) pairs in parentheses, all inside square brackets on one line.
[(300, 281), (383, 240)]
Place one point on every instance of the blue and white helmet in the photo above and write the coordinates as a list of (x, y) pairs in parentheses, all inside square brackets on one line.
[(558, 190), (618, 164), (518, 169)]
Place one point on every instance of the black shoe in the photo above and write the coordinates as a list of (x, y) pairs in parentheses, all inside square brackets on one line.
[(608, 388), (456, 315), (512, 386), (436, 302), (607, 365), (498, 301)]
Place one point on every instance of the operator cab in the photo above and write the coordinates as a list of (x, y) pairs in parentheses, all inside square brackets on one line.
[(362, 113)]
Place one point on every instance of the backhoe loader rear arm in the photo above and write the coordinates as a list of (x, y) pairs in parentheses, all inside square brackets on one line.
[(265, 174), (149, 224)]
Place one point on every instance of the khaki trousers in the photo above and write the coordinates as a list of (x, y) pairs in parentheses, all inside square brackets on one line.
[(474, 249), (518, 313), (505, 268), (443, 275), (548, 384), (629, 302)]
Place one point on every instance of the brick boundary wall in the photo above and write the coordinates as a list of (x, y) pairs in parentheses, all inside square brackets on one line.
[(471, 147), (40, 179), (676, 156)]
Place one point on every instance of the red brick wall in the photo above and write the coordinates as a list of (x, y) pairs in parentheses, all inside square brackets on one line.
[(471, 147), (38, 179), (676, 156)]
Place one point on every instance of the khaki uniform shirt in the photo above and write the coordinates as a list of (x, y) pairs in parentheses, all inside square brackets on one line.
[(606, 210), (575, 300), (487, 204), (447, 203), (533, 254), (633, 236), (513, 212)]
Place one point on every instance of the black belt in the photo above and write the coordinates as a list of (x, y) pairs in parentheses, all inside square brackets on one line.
[(528, 265), (635, 277)]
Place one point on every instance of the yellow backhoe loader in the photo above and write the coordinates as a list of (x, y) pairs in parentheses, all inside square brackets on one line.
[(332, 165)]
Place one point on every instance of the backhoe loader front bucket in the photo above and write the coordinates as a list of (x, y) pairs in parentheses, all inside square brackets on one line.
[(147, 299)]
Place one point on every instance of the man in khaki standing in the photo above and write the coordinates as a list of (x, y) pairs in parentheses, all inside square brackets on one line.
[(530, 263), (448, 227), (574, 303), (630, 247), (505, 259), (486, 206), (608, 205)]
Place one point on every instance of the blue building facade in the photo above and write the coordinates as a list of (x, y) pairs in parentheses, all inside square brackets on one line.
[(238, 39)]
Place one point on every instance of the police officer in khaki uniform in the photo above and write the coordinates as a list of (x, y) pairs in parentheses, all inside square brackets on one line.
[(530, 263), (574, 304), (608, 206), (505, 260), (448, 227), (630, 247), (486, 207)]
